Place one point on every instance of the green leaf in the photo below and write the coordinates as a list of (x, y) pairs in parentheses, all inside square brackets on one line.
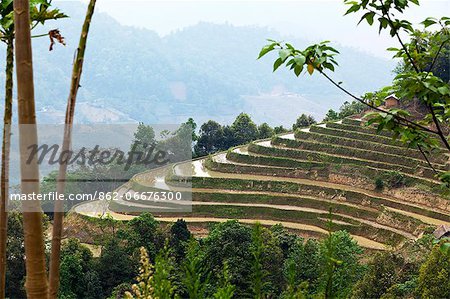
[(429, 22), (329, 66), (368, 17), (284, 53), (383, 23), (298, 70), (300, 60), (266, 49), (291, 61), (445, 248), (277, 64), (5, 3), (443, 90), (354, 8)]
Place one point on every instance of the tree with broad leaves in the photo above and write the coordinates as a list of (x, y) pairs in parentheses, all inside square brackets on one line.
[(420, 56), (415, 82)]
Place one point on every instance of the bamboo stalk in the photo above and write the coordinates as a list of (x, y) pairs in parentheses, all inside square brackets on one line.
[(36, 279), (5, 162), (55, 257)]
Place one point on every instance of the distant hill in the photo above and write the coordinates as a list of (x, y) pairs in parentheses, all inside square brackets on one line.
[(206, 71)]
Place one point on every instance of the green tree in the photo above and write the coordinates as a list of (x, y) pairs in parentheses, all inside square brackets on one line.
[(244, 129), (434, 275), (340, 256), (307, 260), (294, 289), (230, 242), (280, 130), (259, 274), (210, 139), (78, 277), (229, 138), (265, 131), (195, 278), (15, 259), (193, 127), (225, 289), (384, 271), (272, 262), (331, 116), (163, 275), (114, 266), (15, 270), (440, 67), (144, 135), (285, 239), (303, 121), (351, 108), (179, 238), (141, 231)]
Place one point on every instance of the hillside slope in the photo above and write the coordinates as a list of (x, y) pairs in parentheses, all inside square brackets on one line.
[(295, 179), (207, 71)]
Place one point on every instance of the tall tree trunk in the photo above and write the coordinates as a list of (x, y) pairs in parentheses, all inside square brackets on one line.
[(36, 283), (70, 111), (5, 161)]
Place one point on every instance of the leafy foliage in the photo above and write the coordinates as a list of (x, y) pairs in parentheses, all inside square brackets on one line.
[(195, 278), (265, 131), (303, 121), (347, 109), (434, 277), (316, 57), (226, 289), (77, 264), (415, 81), (114, 266), (341, 264)]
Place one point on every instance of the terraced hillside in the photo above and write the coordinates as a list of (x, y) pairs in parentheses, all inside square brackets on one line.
[(380, 191)]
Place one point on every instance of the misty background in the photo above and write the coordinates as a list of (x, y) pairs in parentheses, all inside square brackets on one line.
[(163, 62)]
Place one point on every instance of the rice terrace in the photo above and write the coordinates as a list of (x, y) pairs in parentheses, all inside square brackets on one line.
[(294, 179), (225, 149)]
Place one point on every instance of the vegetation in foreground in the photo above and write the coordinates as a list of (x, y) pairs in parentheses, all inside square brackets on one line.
[(142, 258)]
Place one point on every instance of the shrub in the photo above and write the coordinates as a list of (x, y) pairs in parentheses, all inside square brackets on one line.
[(395, 179), (379, 184)]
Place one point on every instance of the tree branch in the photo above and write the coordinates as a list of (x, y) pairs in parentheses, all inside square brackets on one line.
[(438, 127), (436, 57), (39, 35), (426, 159), (391, 23), (399, 118)]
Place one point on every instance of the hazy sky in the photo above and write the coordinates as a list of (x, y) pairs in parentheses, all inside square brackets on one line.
[(315, 20)]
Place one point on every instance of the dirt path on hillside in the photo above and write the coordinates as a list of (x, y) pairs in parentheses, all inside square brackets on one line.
[(92, 210), (334, 155), (157, 180), (282, 207), (211, 173)]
